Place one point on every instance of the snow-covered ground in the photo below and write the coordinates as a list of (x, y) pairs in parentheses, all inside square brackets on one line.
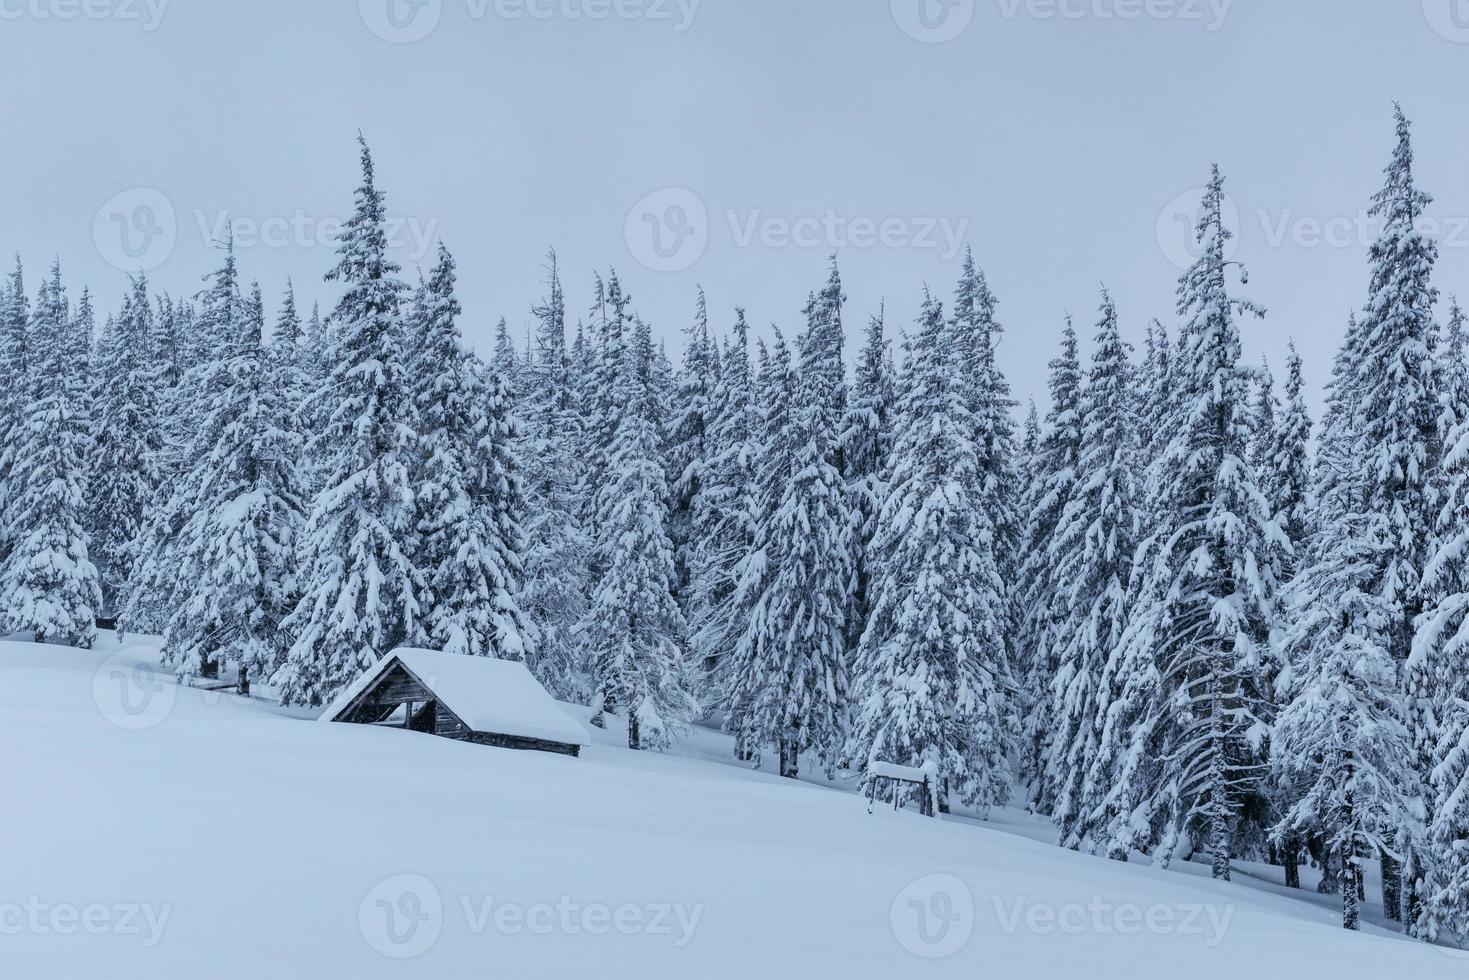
[(152, 831)]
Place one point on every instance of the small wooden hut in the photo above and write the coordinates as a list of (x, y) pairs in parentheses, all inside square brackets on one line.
[(472, 699)]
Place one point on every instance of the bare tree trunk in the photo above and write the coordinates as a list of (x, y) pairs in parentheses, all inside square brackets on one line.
[(789, 758), (1290, 858), (1392, 887), (633, 739), (1351, 891)]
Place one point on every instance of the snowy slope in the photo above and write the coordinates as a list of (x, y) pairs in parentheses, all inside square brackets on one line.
[(162, 832)]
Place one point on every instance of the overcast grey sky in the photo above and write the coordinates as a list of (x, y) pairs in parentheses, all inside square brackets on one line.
[(734, 143)]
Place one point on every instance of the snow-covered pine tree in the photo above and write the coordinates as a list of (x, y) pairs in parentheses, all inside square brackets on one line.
[(1440, 648), (205, 344), (1091, 564), (739, 675), (1157, 413), (867, 441), (506, 360), (1288, 464), (124, 477), (359, 585), (979, 334), (554, 594), (1453, 374), (601, 363), (48, 586), (724, 531), (1262, 427), (931, 669), (791, 688), (688, 443), (633, 630), (1337, 483), (15, 319), (1340, 746), (236, 547), (1395, 424), (1054, 474), (468, 542), (1203, 710)]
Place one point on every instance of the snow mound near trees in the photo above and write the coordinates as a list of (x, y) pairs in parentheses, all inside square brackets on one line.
[(266, 845)]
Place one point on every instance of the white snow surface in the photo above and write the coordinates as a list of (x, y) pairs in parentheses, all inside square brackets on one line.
[(151, 830), (488, 695)]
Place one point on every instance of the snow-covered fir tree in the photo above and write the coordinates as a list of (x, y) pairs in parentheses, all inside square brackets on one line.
[(359, 585), (1091, 552), (124, 478), (688, 442), (979, 333), (1196, 665), (726, 522), (1395, 415), (468, 537), (867, 439), (1287, 467), (634, 632), (1038, 638), (1340, 746), (14, 341), (48, 584), (236, 547), (738, 672), (932, 669), (790, 683), (1441, 645), (557, 549)]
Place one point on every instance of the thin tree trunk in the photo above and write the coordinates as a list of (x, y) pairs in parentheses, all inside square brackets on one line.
[(789, 758), (1351, 890), (1290, 858), (1392, 887), (633, 740)]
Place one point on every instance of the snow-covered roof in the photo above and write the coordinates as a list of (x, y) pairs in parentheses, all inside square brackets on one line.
[(497, 697)]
